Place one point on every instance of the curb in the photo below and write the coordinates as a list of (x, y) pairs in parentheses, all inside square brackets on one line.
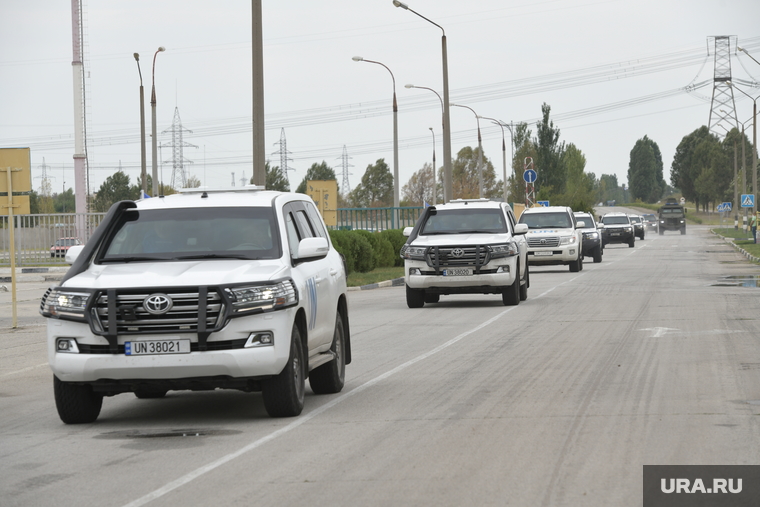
[(742, 251), (396, 282)]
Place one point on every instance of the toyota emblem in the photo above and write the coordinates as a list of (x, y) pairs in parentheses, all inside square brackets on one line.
[(157, 304), (543, 241), (457, 253)]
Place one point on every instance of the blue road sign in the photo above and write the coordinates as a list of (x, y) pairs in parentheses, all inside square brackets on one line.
[(748, 200), (529, 176), (724, 206), (543, 203)]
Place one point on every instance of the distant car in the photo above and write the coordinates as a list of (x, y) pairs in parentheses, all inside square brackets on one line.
[(617, 229), (638, 225), (650, 221), (554, 237), (62, 245), (592, 237)]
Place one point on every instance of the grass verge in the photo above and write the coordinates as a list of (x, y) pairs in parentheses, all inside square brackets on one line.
[(376, 275)]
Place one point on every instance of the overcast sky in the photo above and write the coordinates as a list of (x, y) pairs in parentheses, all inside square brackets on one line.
[(611, 70)]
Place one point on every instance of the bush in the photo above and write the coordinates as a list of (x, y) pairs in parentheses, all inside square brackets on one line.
[(382, 249), (397, 239), (342, 245)]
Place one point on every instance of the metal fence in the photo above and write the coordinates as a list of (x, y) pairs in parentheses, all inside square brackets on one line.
[(378, 219), (34, 235)]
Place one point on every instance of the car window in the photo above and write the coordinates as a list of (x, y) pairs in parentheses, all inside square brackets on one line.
[(615, 220), (457, 221), (546, 220), (316, 222)]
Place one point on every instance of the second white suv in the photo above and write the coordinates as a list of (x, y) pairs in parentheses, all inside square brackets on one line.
[(554, 236), (467, 246), (201, 290)]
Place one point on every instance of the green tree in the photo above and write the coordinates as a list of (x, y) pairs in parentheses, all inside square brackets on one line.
[(65, 202), (420, 187), (375, 189), (580, 191), (465, 179), (610, 189), (316, 172), (275, 179), (548, 164), (645, 171), (115, 188), (684, 171), (711, 164), (524, 148)]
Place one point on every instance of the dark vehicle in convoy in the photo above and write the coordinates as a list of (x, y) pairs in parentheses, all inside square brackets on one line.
[(617, 228), (672, 217), (650, 221), (592, 236), (638, 226)]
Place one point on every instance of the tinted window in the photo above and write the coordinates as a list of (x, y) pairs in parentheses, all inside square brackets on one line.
[(456, 221), (316, 222), (546, 220), (615, 220), (174, 234)]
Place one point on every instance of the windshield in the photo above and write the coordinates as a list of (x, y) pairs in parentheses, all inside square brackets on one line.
[(615, 220), (557, 220), (671, 211), (588, 221), (198, 233), (636, 220), (650, 218), (457, 221)]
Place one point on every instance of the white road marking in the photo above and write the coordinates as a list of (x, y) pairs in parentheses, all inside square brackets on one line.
[(23, 370)]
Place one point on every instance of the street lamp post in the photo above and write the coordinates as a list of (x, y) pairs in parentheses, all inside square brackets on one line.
[(395, 132), (435, 182), (480, 151), (447, 184), (443, 127), (153, 123), (503, 150), (754, 140), (143, 164)]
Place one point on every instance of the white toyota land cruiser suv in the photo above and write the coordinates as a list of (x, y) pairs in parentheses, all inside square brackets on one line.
[(555, 237), (200, 290), (468, 246)]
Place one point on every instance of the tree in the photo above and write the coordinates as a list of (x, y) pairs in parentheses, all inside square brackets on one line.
[(609, 189), (115, 188), (711, 164), (193, 182), (548, 164), (465, 179), (580, 186), (683, 171), (645, 171), (524, 148), (316, 172), (420, 187), (275, 179), (375, 189), (65, 202)]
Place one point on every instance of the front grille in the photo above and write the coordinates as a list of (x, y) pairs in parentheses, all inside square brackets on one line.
[(457, 256), (540, 242), (132, 318)]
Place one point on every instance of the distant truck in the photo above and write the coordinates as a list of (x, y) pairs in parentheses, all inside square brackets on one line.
[(672, 216)]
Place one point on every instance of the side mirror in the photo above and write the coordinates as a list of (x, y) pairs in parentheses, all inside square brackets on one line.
[(521, 228), (599, 225), (580, 224), (72, 253), (408, 231), (312, 248)]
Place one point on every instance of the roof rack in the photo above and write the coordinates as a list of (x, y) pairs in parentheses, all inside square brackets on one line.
[(208, 190)]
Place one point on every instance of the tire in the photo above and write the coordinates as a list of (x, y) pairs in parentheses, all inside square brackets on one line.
[(415, 298), (147, 393), (575, 265), (283, 395), (330, 377), (662, 232), (511, 294), (580, 263), (598, 254), (683, 230), (632, 242), (432, 298), (76, 404), (524, 287)]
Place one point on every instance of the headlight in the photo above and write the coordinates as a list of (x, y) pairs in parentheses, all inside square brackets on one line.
[(505, 250), (592, 235), (627, 228), (567, 240), (262, 297), (61, 303), (413, 252)]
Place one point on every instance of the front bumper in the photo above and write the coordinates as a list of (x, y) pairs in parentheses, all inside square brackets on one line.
[(617, 236), (563, 254), (497, 273), (227, 355)]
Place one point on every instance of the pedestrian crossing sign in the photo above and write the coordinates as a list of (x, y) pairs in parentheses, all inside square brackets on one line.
[(748, 200)]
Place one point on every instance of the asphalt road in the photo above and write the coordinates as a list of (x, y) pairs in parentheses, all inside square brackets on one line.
[(649, 357)]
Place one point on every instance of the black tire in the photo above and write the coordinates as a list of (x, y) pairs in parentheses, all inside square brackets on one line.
[(147, 393), (598, 254), (524, 287), (76, 404), (662, 232), (632, 242), (432, 298), (683, 230), (575, 265), (510, 296), (415, 298), (580, 263), (283, 395), (330, 377)]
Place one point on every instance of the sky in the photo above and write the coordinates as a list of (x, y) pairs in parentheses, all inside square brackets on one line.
[(612, 71)]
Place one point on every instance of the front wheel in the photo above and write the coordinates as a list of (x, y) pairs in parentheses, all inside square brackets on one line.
[(598, 254), (76, 404), (283, 395), (683, 230), (524, 287), (575, 265), (330, 377), (415, 298), (632, 242), (511, 294)]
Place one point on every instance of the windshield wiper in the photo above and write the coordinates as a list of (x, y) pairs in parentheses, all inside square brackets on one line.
[(212, 256), (132, 259)]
